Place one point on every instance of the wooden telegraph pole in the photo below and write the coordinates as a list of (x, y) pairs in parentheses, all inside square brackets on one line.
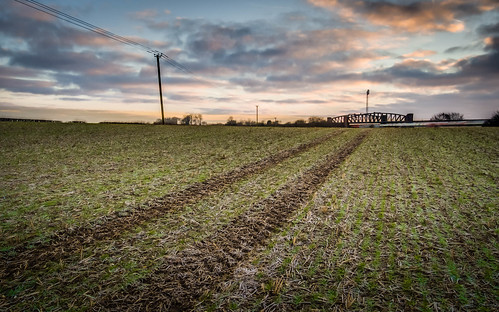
[(367, 101), (158, 55), (257, 115)]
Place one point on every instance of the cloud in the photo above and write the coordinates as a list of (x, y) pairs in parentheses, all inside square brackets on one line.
[(485, 66), (23, 85), (281, 60), (412, 16), (261, 56), (219, 111), (19, 72), (466, 48), (424, 106), (491, 29), (294, 101), (149, 17), (467, 74), (46, 33), (53, 73), (144, 15), (54, 58), (233, 46), (305, 59), (419, 53)]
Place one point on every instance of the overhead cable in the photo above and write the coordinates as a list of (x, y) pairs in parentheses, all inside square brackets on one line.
[(80, 23)]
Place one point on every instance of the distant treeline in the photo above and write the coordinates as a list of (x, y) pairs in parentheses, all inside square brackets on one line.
[(197, 119), (188, 120), (311, 122), (124, 123), (73, 121), (27, 120), (323, 122)]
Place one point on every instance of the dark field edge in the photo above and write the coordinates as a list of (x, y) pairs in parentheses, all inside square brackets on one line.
[(62, 244), (194, 272)]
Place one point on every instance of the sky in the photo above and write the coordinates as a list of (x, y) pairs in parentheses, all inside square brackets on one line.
[(292, 58)]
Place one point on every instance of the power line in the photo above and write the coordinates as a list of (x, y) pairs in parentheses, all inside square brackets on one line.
[(173, 63), (80, 23), (77, 22), (98, 30)]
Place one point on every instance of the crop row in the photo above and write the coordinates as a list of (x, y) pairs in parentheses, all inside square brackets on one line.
[(409, 222), (403, 219), (58, 176), (105, 266)]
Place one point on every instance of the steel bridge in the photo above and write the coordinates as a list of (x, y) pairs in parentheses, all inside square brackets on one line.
[(376, 117)]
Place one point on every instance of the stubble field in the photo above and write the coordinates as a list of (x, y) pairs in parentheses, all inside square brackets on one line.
[(140, 217)]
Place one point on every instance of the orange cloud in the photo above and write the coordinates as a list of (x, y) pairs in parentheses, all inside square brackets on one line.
[(423, 16), (420, 53)]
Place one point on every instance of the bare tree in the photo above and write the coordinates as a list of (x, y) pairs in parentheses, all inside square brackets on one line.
[(300, 123), (493, 121), (231, 121), (197, 119), (316, 121), (452, 116), (187, 120), (193, 119)]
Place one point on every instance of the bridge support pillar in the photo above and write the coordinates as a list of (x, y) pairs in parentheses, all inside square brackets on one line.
[(345, 121)]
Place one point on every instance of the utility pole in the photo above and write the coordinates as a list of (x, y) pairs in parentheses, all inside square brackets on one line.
[(257, 115), (367, 101), (158, 55)]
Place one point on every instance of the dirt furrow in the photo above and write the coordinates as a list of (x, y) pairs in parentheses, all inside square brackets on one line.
[(185, 278), (66, 242)]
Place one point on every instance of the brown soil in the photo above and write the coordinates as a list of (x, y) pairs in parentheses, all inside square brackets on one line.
[(63, 243), (193, 273)]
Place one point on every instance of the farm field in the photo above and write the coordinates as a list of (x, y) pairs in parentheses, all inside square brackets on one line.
[(141, 217)]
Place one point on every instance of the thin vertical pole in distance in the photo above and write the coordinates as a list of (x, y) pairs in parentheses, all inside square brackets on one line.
[(160, 90), (257, 115), (367, 101)]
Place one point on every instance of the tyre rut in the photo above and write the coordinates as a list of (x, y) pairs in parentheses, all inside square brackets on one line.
[(185, 278), (66, 242)]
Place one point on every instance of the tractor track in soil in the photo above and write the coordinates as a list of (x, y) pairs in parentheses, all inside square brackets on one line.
[(62, 244), (194, 272)]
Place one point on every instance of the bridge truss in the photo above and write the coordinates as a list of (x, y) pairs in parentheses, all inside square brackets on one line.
[(376, 117)]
